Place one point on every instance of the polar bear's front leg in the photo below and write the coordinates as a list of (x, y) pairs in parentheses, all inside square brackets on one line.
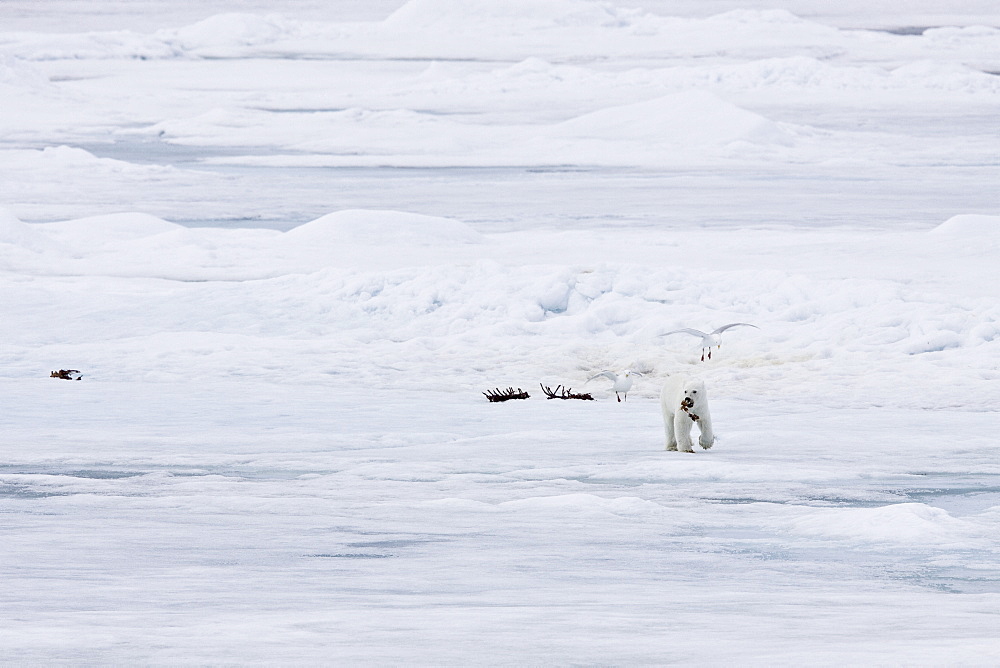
[(682, 431), (707, 437)]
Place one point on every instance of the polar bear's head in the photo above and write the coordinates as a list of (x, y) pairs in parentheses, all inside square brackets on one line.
[(695, 391)]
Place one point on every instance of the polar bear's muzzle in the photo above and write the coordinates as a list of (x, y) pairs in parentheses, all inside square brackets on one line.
[(686, 404)]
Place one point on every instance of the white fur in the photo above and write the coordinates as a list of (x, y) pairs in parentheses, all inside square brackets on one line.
[(677, 423)]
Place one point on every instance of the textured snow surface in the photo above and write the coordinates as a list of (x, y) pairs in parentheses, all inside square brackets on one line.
[(289, 246)]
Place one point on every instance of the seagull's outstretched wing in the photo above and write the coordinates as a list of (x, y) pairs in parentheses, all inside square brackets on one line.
[(610, 375), (720, 330), (688, 330)]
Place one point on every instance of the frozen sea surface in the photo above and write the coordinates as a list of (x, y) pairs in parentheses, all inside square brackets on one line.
[(205, 525), (289, 245), (577, 114)]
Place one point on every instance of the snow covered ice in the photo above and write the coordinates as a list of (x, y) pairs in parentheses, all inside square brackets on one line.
[(289, 247)]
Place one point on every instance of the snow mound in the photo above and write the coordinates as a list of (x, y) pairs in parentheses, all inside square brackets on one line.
[(692, 118), (970, 225), (109, 228), (956, 36), (583, 503), (17, 233), (15, 73), (72, 158), (90, 45), (69, 156), (488, 12), (378, 227), (758, 16), (232, 29), (900, 523)]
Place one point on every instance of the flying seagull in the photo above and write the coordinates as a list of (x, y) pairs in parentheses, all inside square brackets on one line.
[(622, 382), (712, 339)]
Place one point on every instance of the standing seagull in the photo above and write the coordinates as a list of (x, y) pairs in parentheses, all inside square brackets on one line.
[(712, 339), (622, 382)]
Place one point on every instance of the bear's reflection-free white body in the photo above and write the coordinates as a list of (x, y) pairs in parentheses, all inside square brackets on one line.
[(685, 402)]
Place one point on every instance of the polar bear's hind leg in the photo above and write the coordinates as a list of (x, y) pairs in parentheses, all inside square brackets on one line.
[(668, 428), (671, 441)]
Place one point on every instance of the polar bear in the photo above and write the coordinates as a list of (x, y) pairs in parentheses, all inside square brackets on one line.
[(685, 402)]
